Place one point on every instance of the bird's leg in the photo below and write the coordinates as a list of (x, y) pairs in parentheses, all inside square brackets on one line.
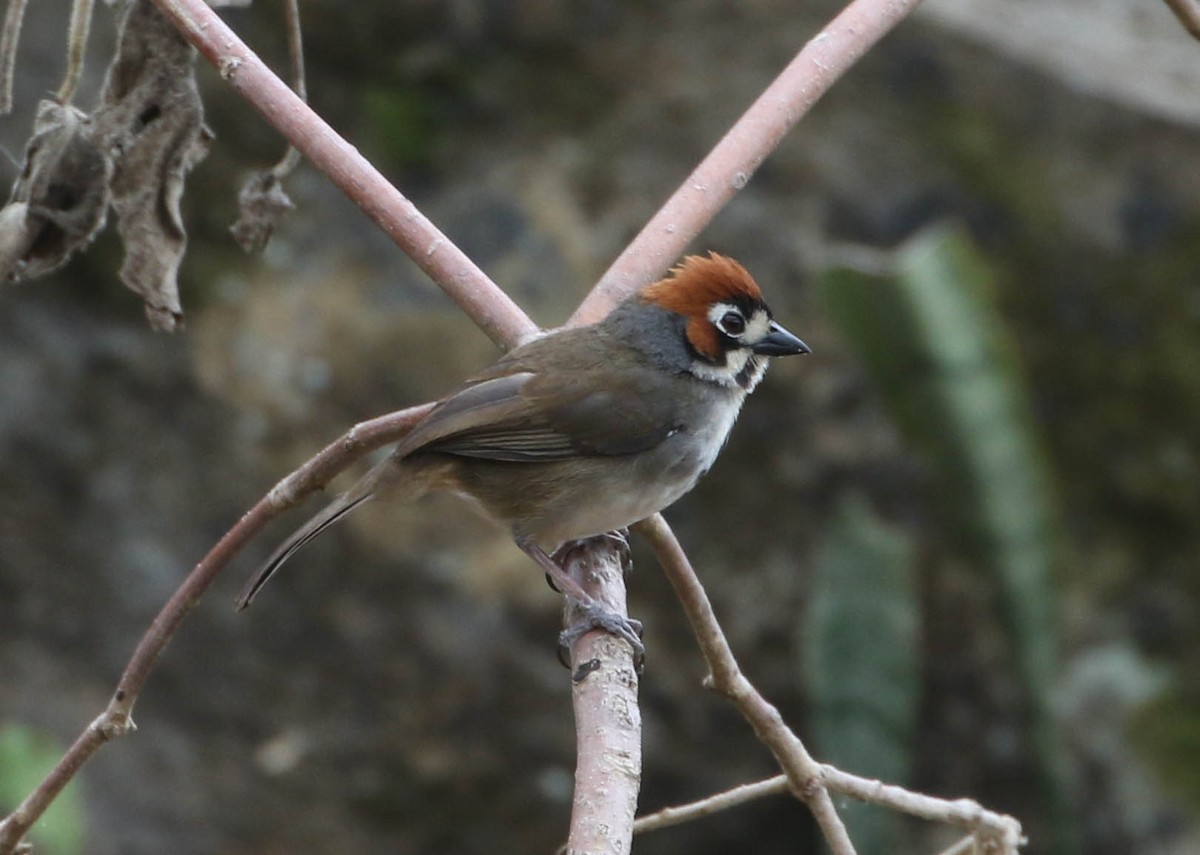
[(620, 537), (594, 614)]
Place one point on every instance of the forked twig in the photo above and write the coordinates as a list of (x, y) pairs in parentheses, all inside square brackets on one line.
[(1000, 832), (807, 779), (805, 776)]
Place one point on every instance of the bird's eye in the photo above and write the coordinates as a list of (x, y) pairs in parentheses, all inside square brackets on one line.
[(732, 324)]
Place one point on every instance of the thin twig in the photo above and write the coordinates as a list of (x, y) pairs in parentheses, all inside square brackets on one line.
[(1188, 14), (77, 37), (804, 774), (291, 20), (738, 155), (740, 795), (961, 813), (9, 39), (1002, 832), (489, 307), (809, 780)]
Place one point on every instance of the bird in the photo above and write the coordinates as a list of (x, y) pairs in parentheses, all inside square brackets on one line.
[(586, 430)]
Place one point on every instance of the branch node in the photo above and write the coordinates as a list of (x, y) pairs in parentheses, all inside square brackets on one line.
[(810, 787), (113, 723), (227, 67)]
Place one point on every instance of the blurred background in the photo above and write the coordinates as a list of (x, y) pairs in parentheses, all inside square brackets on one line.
[(958, 545)]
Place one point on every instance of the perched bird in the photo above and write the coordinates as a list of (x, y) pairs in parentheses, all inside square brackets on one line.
[(589, 429)]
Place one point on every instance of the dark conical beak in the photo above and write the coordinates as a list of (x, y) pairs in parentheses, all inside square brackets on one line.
[(780, 342)]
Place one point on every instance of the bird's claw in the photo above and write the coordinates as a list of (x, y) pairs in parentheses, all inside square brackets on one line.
[(594, 616)]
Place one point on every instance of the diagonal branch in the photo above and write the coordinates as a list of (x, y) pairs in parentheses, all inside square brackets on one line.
[(116, 720), (729, 166), (810, 781), (1188, 14), (489, 307)]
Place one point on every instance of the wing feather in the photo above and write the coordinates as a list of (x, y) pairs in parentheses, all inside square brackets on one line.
[(581, 406)]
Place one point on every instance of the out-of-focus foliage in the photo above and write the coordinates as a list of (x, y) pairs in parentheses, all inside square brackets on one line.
[(861, 660), (925, 325), (26, 754)]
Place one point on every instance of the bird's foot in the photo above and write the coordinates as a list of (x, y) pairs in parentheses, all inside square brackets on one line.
[(589, 614), (592, 615)]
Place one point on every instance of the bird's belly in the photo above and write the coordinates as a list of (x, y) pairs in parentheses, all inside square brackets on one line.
[(606, 511), (629, 490)]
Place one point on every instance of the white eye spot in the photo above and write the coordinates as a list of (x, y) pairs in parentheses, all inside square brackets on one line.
[(728, 319), (732, 323)]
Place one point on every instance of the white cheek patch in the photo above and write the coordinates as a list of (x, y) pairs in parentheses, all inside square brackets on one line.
[(757, 328), (723, 375), (718, 374)]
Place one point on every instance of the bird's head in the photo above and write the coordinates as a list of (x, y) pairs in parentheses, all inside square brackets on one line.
[(728, 328)]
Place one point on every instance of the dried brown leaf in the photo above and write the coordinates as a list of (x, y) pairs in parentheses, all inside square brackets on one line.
[(59, 202), (262, 202), (152, 120)]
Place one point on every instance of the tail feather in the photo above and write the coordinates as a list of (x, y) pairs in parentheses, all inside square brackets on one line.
[(323, 520)]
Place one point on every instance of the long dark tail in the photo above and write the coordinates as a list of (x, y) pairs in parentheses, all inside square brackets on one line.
[(323, 520)]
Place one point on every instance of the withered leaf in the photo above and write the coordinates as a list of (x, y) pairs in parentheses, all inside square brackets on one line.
[(152, 121), (61, 197), (262, 202)]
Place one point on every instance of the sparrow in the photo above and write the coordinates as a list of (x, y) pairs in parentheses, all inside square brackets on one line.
[(590, 429)]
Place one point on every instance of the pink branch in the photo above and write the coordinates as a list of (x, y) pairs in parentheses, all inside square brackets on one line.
[(489, 307), (1188, 14), (729, 166), (608, 721)]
